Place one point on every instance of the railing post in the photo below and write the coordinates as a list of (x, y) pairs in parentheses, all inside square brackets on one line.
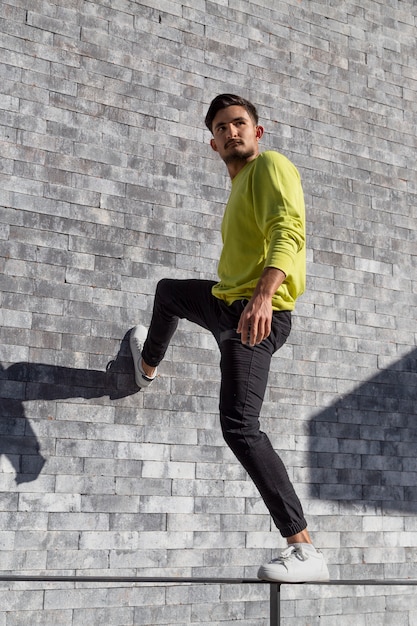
[(275, 604)]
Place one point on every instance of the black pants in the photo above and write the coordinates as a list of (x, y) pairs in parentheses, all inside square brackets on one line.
[(244, 375)]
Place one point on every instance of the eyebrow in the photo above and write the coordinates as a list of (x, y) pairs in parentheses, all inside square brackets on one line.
[(236, 119)]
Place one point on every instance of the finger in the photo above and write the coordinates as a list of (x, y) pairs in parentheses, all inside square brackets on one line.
[(260, 336), (264, 330), (253, 333), (248, 334), (267, 329), (244, 328)]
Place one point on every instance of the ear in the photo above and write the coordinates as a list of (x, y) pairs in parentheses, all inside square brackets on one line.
[(213, 145), (259, 132)]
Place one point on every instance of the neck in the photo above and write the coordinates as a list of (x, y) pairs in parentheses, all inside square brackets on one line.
[(234, 165)]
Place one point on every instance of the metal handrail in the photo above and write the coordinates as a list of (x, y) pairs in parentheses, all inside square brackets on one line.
[(274, 587)]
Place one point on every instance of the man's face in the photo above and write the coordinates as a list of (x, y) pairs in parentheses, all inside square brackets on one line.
[(235, 135)]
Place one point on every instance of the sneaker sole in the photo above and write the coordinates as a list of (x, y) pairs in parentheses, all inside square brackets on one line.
[(266, 573), (137, 338)]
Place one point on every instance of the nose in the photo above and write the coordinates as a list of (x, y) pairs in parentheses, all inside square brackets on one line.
[(231, 131)]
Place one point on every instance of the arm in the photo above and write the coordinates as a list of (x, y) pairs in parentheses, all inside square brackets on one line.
[(255, 321), (279, 213)]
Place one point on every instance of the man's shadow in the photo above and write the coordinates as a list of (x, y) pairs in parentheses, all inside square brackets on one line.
[(363, 448), (21, 382)]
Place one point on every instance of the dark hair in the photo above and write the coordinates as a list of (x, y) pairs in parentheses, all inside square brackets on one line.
[(225, 100)]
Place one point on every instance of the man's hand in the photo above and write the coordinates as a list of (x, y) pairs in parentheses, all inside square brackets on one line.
[(255, 322)]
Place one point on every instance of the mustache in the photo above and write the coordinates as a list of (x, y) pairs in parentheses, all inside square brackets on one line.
[(233, 141)]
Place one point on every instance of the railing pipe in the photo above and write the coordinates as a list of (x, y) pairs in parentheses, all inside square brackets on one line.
[(274, 587)]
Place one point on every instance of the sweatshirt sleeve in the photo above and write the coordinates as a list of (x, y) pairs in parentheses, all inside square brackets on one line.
[(279, 209)]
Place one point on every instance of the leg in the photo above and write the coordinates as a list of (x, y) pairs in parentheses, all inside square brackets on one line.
[(302, 537), (174, 300), (244, 377)]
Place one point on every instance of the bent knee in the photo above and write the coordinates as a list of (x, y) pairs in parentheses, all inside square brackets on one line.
[(163, 283)]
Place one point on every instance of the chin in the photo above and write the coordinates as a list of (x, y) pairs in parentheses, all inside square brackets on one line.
[(238, 156)]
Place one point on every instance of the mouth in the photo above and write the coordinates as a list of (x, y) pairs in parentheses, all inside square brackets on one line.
[(233, 142)]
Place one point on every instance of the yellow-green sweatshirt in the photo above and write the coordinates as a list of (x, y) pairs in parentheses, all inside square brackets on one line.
[(263, 226)]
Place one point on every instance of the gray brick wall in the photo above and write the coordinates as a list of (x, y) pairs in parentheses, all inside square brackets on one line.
[(107, 185)]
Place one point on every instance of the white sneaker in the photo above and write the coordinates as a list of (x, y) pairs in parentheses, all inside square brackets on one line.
[(137, 338), (299, 563)]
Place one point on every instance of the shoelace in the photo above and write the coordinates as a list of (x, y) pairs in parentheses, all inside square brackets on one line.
[(291, 552)]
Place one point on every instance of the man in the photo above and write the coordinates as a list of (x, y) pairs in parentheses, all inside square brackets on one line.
[(261, 271)]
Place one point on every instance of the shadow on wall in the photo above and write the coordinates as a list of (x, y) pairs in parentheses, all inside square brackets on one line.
[(21, 382), (364, 447)]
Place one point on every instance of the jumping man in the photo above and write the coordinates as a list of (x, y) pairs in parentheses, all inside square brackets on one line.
[(261, 273)]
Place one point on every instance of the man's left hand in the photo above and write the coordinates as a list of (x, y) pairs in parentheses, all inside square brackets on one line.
[(255, 322)]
